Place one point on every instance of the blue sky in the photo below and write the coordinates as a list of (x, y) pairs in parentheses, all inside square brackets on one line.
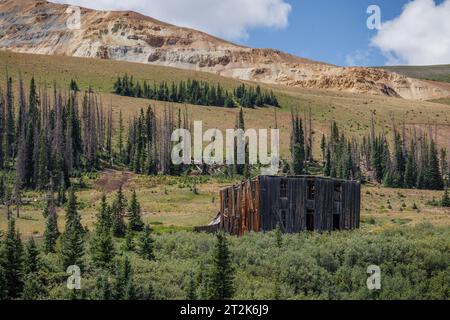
[(328, 31), (414, 32)]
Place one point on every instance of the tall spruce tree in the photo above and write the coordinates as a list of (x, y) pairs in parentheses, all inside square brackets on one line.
[(129, 239), (32, 288), (399, 161), (11, 259), (146, 244), (134, 214), (121, 138), (122, 277), (434, 177), (118, 212), (222, 277), (31, 257), (51, 233), (102, 245), (297, 146), (241, 168), (72, 246), (10, 138), (411, 168), (103, 288)]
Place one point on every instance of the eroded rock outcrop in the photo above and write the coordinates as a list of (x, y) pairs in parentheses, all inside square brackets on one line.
[(36, 26)]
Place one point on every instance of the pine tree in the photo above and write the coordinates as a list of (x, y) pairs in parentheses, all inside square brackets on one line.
[(377, 159), (134, 214), (103, 288), (12, 261), (129, 239), (73, 219), (122, 277), (434, 177), (222, 277), (10, 138), (74, 85), (297, 146), (61, 195), (102, 245), (121, 137), (328, 164), (42, 172), (146, 244), (348, 166), (104, 219), (410, 170), (33, 288), (130, 291), (240, 168), (118, 213), (3, 190), (51, 233), (31, 257), (399, 161), (72, 246), (323, 147), (2, 130)]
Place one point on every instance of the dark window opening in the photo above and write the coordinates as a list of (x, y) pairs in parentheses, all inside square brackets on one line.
[(337, 192), (336, 222), (284, 188), (310, 221), (311, 190)]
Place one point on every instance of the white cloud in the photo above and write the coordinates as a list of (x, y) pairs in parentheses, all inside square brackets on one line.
[(419, 36), (226, 18)]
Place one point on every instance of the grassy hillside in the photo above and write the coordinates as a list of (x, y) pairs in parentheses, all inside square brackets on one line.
[(169, 203), (351, 111), (434, 73)]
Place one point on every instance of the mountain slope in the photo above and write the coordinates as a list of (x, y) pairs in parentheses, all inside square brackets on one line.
[(434, 73), (35, 26)]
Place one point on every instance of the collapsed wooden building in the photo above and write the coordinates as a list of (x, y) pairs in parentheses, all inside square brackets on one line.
[(296, 204)]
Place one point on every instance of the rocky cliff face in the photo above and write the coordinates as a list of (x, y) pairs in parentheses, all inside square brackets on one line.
[(36, 26)]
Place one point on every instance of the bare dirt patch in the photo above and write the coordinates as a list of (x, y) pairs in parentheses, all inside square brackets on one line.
[(111, 180)]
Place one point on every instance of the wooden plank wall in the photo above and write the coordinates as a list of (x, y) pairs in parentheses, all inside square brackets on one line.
[(327, 202), (257, 205), (241, 213)]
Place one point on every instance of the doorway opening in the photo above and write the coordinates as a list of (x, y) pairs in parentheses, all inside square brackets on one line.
[(310, 220)]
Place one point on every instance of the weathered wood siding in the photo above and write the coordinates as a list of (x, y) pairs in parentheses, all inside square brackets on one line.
[(333, 204), (295, 203), (240, 212)]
